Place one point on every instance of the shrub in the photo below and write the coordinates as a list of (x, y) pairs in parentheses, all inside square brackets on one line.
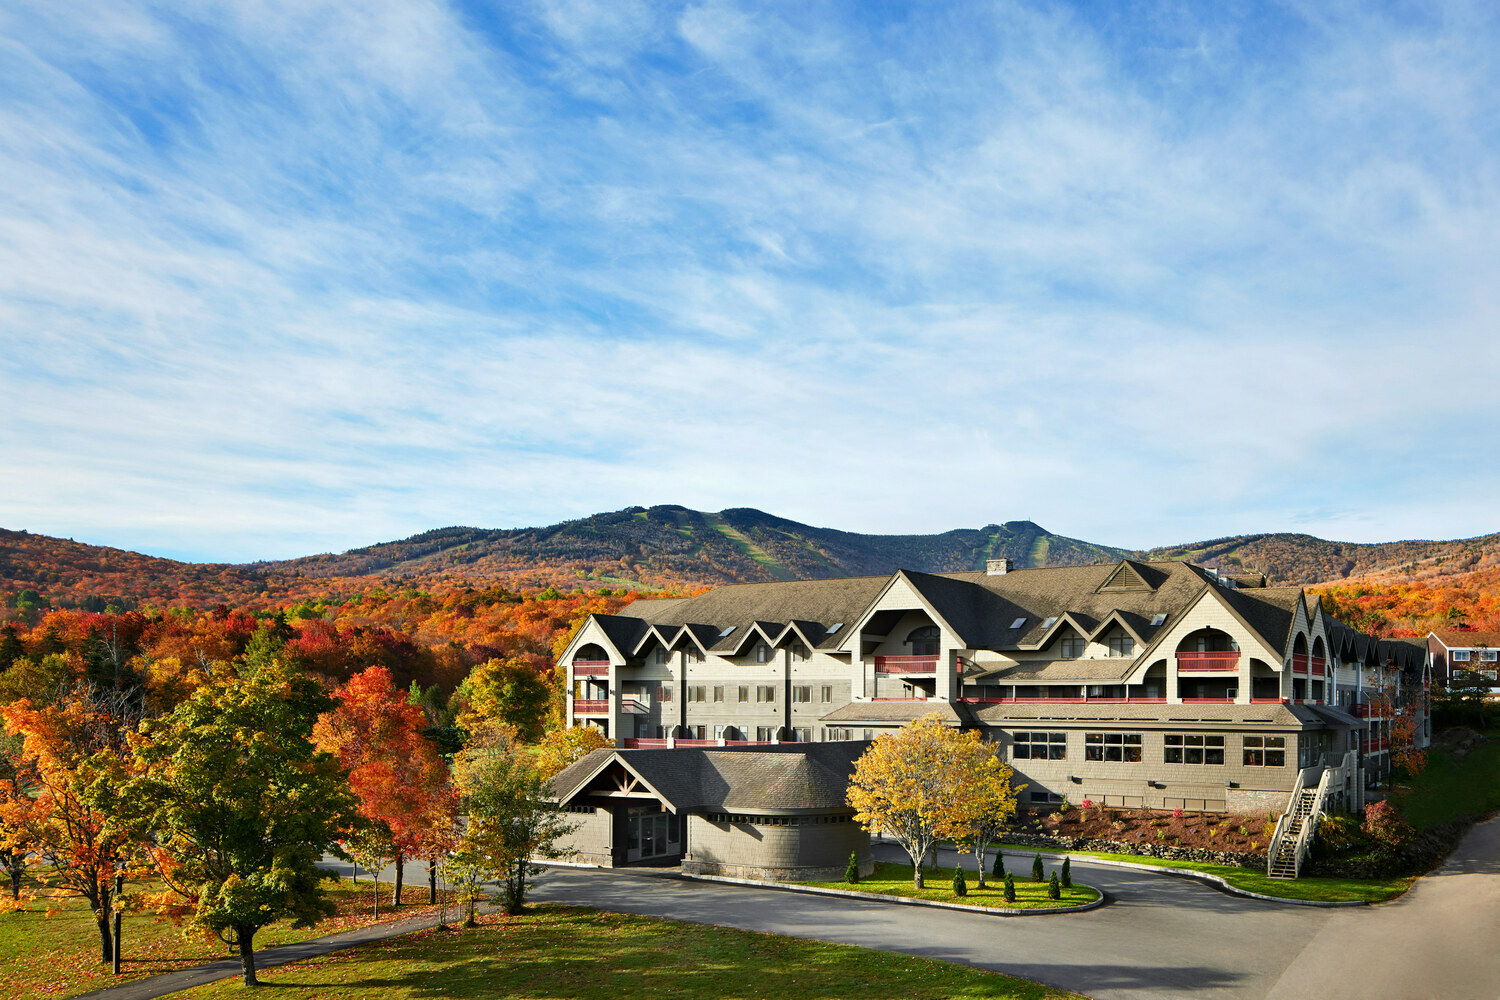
[(1010, 888), (1244, 831), (1385, 825), (1161, 835), (1086, 805), (1067, 874), (1036, 868), (1338, 833), (1054, 890), (1177, 814), (999, 870), (1065, 806), (851, 874), (960, 887)]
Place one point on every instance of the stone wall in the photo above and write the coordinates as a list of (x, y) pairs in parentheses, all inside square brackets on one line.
[(807, 848), (1163, 851)]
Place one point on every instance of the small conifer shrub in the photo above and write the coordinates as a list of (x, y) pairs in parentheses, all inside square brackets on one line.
[(999, 870), (1067, 874), (851, 874), (1010, 888), (960, 887), (1037, 874), (1054, 889)]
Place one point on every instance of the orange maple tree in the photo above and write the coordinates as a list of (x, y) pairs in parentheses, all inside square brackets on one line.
[(402, 782)]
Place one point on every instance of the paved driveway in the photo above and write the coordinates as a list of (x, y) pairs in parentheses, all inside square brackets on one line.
[(1160, 936)]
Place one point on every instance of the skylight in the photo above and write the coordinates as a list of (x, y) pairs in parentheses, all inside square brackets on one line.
[(1050, 622), (1018, 623), (834, 628), (727, 631), (1157, 620)]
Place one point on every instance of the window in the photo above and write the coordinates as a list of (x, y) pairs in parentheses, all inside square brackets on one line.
[(869, 735), (661, 655), (1157, 620), (718, 732), (1489, 655), (664, 692), (718, 694), (744, 694), (1049, 622), (827, 693), (725, 632), (696, 692), (1039, 746), (765, 692), (801, 693), (1265, 751), (925, 641), (1118, 747), (697, 732), (802, 735), (799, 651), (1121, 645), (1073, 648), (1046, 798), (762, 653), (1460, 656), (765, 734), (1193, 748), (1018, 623), (838, 734)]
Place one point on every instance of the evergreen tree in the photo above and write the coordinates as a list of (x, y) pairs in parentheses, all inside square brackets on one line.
[(999, 870), (1010, 888), (1037, 873), (960, 887), (1054, 890), (851, 874), (1067, 874)]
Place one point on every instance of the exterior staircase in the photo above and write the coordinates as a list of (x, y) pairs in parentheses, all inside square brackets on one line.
[(1284, 861)]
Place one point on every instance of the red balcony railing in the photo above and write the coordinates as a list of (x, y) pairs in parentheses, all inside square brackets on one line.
[(641, 743), (696, 743), (1304, 664), (590, 668), (1299, 663), (1208, 701), (1214, 660), (1061, 701), (1317, 665), (590, 706), (906, 664)]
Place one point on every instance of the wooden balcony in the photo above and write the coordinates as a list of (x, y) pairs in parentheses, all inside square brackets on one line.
[(1227, 661), (633, 743), (590, 668), (590, 706), (1304, 664), (906, 664)]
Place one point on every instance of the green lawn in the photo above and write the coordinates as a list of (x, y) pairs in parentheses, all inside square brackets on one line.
[(1448, 789), (58, 955), (565, 952), (895, 880), (1253, 880)]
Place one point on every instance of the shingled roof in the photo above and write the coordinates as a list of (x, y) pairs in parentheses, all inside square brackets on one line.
[(781, 778)]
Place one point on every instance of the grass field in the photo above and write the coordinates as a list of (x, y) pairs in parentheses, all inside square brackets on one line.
[(565, 952), (1251, 880), (1449, 788), (58, 955), (895, 880)]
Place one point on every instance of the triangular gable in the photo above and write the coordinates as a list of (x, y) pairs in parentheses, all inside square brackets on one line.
[(593, 632), (664, 634), (1125, 577), (623, 782), (1117, 617), (1148, 655), (871, 609)]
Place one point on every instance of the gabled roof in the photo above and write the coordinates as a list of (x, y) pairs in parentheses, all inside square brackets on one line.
[(1458, 639), (789, 777)]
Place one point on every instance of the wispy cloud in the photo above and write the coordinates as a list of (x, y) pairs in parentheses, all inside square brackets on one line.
[(279, 277)]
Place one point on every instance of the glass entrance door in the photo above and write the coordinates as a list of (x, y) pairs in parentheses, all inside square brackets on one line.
[(650, 833)]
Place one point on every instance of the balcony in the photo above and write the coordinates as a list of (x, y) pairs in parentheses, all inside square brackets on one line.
[(1304, 664), (1216, 660), (906, 664), (590, 668), (630, 706), (632, 743), (590, 706)]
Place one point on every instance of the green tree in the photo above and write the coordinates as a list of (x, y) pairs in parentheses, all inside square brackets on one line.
[(511, 817), (508, 691), (1010, 888), (1036, 869), (242, 804)]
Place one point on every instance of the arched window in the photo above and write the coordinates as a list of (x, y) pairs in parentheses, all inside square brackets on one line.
[(925, 640)]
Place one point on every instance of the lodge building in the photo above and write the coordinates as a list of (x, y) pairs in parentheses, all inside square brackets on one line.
[(1136, 684)]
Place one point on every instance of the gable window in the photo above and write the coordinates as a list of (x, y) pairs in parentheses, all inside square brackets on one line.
[(1072, 649), (1039, 746), (762, 653), (1265, 751), (799, 651), (661, 655), (1193, 748), (1121, 645), (925, 641), (1116, 747)]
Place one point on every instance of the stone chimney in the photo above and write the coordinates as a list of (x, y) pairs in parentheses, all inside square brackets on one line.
[(997, 567)]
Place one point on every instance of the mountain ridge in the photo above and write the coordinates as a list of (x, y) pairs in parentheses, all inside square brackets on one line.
[(666, 547)]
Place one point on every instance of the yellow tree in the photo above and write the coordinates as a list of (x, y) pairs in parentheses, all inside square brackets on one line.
[(907, 785), (562, 747), (984, 798)]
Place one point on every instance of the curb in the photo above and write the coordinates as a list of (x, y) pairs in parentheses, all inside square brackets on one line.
[(1214, 880), (877, 897)]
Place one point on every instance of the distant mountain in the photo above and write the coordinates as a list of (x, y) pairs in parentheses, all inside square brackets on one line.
[(655, 548)]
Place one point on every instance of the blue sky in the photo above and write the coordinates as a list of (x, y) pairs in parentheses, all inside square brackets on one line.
[(278, 278)]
